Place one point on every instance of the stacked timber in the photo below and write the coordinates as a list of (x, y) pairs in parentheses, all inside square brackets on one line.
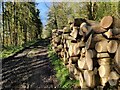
[(91, 51)]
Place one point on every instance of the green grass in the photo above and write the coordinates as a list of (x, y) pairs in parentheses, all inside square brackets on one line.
[(8, 51), (62, 72)]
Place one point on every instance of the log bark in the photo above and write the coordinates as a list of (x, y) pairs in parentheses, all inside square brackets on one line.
[(112, 46), (98, 29), (101, 46)]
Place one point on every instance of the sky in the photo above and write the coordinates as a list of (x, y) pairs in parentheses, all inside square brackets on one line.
[(44, 8)]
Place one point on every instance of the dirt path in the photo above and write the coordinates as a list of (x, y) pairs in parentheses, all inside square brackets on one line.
[(30, 69)]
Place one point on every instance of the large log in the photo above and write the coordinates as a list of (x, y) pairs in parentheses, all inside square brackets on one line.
[(104, 70), (103, 55), (82, 81), (89, 43), (89, 54), (89, 78), (82, 64), (98, 29), (112, 46), (74, 49), (106, 21), (101, 46), (104, 61)]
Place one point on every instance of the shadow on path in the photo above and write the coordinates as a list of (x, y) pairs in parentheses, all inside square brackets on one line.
[(30, 69)]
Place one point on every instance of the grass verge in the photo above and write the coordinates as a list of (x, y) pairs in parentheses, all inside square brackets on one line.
[(62, 72), (11, 50)]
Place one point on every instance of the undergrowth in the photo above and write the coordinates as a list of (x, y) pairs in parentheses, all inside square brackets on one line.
[(10, 50), (62, 72)]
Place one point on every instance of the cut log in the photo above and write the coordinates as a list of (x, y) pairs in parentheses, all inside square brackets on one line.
[(117, 58), (57, 39), (104, 61), (74, 32), (112, 46), (113, 77), (101, 46), (76, 73), (83, 27), (116, 22), (106, 21), (83, 52), (98, 29), (90, 53), (82, 64), (89, 63), (104, 80), (74, 49), (89, 42), (108, 34), (104, 70), (116, 31), (98, 37), (67, 37), (89, 78), (103, 55), (82, 81), (81, 44), (74, 59)]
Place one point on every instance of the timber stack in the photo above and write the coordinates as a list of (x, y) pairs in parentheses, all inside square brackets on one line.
[(91, 51)]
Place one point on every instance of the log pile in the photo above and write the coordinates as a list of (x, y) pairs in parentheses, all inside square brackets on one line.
[(91, 51)]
